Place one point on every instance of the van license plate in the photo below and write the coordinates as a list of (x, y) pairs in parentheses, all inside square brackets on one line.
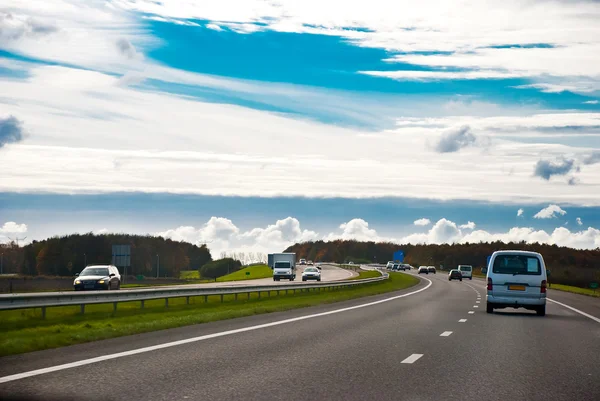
[(516, 287)]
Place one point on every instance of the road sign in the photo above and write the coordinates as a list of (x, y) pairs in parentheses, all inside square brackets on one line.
[(121, 255), (399, 256), (594, 285)]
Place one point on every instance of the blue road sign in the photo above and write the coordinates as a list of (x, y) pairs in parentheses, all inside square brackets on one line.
[(399, 256)]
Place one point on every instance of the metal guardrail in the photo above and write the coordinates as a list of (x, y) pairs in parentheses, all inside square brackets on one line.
[(43, 301)]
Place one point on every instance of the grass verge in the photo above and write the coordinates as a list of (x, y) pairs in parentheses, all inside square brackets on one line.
[(577, 290), (365, 274), (24, 330), (256, 271)]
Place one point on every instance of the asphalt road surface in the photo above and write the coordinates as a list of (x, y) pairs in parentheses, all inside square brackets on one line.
[(430, 342)]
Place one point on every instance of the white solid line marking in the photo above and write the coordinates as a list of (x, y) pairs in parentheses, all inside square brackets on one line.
[(471, 312), (445, 334), (412, 358), (575, 310), (84, 362), (462, 320)]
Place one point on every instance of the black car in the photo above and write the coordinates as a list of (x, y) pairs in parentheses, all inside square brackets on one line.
[(104, 277), (454, 275)]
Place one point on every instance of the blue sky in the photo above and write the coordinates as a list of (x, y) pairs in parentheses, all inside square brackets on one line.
[(352, 119)]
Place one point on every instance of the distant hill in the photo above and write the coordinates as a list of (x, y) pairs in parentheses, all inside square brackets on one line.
[(65, 256), (567, 266)]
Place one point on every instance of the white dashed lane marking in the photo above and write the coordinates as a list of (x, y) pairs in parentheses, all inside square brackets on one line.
[(471, 312), (462, 320), (413, 358), (445, 334)]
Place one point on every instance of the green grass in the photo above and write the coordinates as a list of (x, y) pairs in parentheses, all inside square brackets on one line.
[(576, 290), (24, 330), (366, 274), (256, 271), (189, 275)]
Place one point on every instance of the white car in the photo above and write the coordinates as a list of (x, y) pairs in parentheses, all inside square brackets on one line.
[(466, 271), (311, 273), (516, 279), (389, 265), (302, 261), (423, 269)]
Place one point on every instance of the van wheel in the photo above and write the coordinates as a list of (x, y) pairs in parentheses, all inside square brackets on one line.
[(541, 311), (489, 308), (470, 278)]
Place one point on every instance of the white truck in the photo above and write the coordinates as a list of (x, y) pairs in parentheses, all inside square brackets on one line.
[(284, 266)]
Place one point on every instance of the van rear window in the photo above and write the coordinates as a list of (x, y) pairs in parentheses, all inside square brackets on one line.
[(517, 264), (465, 268)]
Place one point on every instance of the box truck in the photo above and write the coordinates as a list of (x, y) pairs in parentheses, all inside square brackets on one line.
[(284, 266)]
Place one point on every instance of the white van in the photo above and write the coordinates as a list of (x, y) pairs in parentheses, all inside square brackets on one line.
[(466, 271), (516, 279)]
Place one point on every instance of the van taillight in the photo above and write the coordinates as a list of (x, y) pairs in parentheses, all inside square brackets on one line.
[(543, 287), (490, 286)]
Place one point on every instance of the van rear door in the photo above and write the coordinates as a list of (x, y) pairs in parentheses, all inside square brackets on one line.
[(517, 276)]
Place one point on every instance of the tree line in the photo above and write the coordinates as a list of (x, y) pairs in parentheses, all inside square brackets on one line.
[(67, 255), (566, 265)]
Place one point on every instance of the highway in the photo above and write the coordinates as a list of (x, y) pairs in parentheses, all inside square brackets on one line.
[(328, 273), (430, 342)]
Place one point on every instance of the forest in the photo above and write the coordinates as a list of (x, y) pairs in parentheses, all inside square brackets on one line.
[(566, 265), (67, 255)]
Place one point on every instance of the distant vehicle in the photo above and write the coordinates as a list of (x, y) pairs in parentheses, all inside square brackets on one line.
[(98, 277), (454, 275), (311, 273), (516, 279), (466, 271), (284, 266), (389, 265), (310, 263), (351, 263), (423, 269), (431, 269), (302, 261)]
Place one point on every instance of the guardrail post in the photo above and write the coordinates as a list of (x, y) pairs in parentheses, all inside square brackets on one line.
[(205, 298), (43, 312), (82, 308), (187, 300), (114, 307), (259, 294), (277, 292), (221, 298), (248, 296), (286, 292), (166, 302), (269, 293), (235, 296), (142, 304)]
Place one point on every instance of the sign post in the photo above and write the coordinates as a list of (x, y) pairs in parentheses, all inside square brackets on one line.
[(594, 286), (121, 257)]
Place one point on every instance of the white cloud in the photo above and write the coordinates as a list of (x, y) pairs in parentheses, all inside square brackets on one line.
[(214, 27), (470, 226), (549, 212), (101, 231), (422, 222), (591, 102), (579, 222), (222, 235), (10, 227), (357, 229), (520, 212)]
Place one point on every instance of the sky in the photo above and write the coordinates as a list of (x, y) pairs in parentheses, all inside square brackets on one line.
[(251, 125)]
